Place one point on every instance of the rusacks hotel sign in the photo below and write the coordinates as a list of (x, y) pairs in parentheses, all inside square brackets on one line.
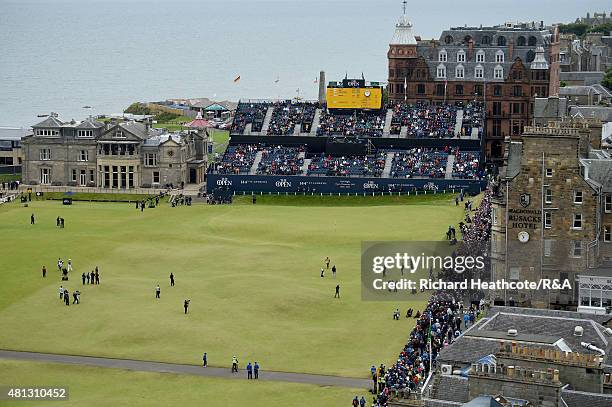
[(524, 218)]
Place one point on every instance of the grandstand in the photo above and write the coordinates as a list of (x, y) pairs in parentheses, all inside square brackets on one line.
[(295, 146)]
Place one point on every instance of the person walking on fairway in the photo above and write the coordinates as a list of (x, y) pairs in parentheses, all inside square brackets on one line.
[(337, 295), (69, 265), (204, 360), (256, 370), (327, 262), (97, 277), (44, 271), (322, 272), (171, 280), (234, 364), (334, 270), (249, 371), (32, 219), (83, 278), (186, 305), (157, 291), (92, 277), (61, 292), (87, 275)]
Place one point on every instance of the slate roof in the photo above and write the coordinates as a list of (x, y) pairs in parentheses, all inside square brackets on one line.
[(89, 123), (582, 399), (440, 403), (49, 122), (588, 77), (483, 401), (137, 129), (452, 388)]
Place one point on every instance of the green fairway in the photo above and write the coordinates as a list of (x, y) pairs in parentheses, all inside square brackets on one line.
[(251, 272), (90, 386)]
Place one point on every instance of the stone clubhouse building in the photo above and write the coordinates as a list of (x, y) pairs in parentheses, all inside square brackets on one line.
[(115, 155)]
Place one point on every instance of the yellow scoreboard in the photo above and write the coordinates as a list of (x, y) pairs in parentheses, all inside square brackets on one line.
[(354, 98)]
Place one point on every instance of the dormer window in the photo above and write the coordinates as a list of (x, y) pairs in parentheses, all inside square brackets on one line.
[(498, 72), (442, 56), (480, 56), (459, 72), (47, 133), (499, 57), (461, 56), (479, 72), (441, 71), (119, 134), (85, 133)]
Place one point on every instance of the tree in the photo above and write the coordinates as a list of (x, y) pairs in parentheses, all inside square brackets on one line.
[(575, 28), (607, 79), (137, 108)]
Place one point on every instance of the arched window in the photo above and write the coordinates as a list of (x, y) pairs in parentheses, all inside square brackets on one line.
[(501, 41), (498, 72), (449, 39), (480, 56), (442, 56), (499, 57), (521, 41), (459, 72), (530, 56), (486, 40), (479, 72), (441, 71), (532, 41), (467, 39), (461, 56)]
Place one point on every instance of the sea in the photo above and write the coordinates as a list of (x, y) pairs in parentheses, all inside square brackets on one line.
[(63, 55)]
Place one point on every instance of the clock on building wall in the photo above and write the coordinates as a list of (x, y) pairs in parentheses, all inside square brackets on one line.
[(523, 237)]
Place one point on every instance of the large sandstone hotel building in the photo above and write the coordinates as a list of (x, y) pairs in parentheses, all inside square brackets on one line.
[(505, 66), (552, 218)]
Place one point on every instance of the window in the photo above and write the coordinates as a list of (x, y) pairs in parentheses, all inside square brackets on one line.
[(497, 90), (494, 215), (83, 178), (156, 177), (577, 222), (459, 72), (547, 247), (84, 155), (498, 72), (499, 57), (497, 108), (501, 41), (478, 90), (442, 56), (576, 248), (532, 41), (119, 134), (151, 160), (548, 196), (547, 220), (449, 39), (607, 235), (480, 56), (458, 89), (441, 71), (521, 41), (515, 273), (479, 72), (85, 133), (461, 56), (549, 172), (517, 90), (486, 40), (91, 176), (45, 154), (608, 203), (578, 197), (421, 88), (440, 90), (45, 176), (47, 132), (74, 175)]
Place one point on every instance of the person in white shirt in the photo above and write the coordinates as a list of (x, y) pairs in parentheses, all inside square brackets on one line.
[(69, 265), (61, 292)]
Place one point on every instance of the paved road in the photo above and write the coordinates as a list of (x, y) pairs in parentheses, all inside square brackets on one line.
[(158, 367)]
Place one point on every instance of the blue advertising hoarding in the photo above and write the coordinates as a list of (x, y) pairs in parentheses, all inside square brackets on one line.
[(334, 185)]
